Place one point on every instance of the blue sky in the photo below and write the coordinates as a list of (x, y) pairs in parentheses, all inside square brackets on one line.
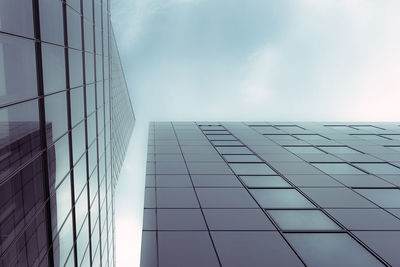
[(331, 60)]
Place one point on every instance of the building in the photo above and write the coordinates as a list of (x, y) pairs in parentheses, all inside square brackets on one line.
[(272, 194), (65, 123)]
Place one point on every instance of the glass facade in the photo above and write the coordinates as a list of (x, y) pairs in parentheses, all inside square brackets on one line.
[(272, 194), (65, 123)]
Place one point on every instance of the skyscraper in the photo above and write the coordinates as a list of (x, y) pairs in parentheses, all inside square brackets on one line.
[(65, 123), (272, 194)]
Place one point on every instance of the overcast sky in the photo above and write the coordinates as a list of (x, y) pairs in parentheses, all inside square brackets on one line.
[(287, 60)]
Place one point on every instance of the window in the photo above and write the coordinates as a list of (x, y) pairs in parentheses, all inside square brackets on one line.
[(51, 21), (74, 29), (280, 137), (378, 168), (315, 248), (18, 68), (233, 150), (56, 115), (337, 168), (303, 150), (242, 158), (280, 198), (53, 68), (303, 220), (310, 137), (339, 150), (75, 68), (251, 169), (370, 137), (264, 181), (16, 17)]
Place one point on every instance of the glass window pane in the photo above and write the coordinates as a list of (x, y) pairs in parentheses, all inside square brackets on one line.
[(303, 220), (337, 168), (339, 150), (88, 10), (89, 67), (392, 136), (58, 160), (242, 158), (74, 29), (63, 244), (99, 94), (17, 68), (237, 219), (234, 150), (331, 249), (303, 150), (19, 135), (56, 116), (378, 168), (80, 176), (264, 181), (251, 169), (60, 204), (90, 99), (280, 137), (370, 137), (88, 30), (386, 198), (78, 141), (75, 68), (51, 21), (76, 4), (280, 198), (16, 17), (53, 68), (310, 137), (77, 105)]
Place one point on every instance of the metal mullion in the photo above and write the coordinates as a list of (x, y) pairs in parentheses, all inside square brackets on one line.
[(43, 134)]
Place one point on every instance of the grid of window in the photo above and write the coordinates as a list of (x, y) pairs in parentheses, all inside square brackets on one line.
[(260, 194), (65, 122)]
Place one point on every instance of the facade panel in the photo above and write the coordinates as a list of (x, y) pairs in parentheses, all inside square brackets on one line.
[(272, 194), (65, 123)]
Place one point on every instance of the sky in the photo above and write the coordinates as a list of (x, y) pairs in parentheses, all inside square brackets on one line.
[(254, 60)]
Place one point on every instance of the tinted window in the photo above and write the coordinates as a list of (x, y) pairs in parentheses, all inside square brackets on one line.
[(51, 21), (16, 17), (56, 115), (53, 68), (74, 29), (18, 68), (75, 68)]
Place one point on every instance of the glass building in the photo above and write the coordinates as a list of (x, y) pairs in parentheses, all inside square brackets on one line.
[(272, 194), (65, 123)]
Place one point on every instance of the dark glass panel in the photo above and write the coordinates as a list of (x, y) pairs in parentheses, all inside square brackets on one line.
[(17, 68), (78, 141), (75, 68), (16, 17), (90, 99), (77, 105), (56, 116), (51, 21), (89, 68), (88, 31), (19, 136), (74, 29), (53, 68), (58, 160)]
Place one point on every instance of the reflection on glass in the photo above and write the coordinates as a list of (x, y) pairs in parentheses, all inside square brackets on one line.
[(303, 220), (17, 68), (58, 160), (22, 215), (19, 136), (56, 115)]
